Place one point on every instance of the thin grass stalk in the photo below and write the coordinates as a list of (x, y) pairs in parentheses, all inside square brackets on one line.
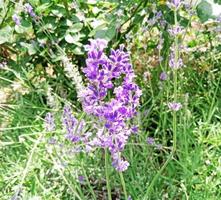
[(174, 125), (123, 185), (107, 176)]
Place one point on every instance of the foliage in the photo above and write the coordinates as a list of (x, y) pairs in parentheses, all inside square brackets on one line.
[(175, 51)]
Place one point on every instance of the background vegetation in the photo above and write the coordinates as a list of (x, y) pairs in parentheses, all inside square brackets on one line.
[(37, 164)]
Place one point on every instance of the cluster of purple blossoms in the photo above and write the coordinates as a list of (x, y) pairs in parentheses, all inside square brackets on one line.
[(103, 74), (29, 9), (16, 19), (73, 127), (175, 64), (175, 3), (176, 30), (163, 76), (49, 122), (151, 141)]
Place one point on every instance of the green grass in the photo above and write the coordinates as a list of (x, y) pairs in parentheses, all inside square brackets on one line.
[(185, 166), (34, 169)]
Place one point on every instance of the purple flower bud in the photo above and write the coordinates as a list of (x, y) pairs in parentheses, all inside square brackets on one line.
[(81, 179), (163, 76), (176, 3), (49, 122), (29, 10), (174, 106), (150, 141), (129, 198), (16, 19)]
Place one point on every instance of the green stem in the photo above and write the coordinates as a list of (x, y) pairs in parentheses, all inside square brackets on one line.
[(107, 176), (123, 184), (66, 7), (150, 187)]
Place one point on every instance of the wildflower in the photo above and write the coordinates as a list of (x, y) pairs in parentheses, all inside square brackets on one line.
[(129, 198), (174, 106), (29, 10), (49, 122), (176, 3), (173, 64), (150, 141), (163, 76), (16, 19), (175, 30), (101, 71), (70, 124), (119, 164), (81, 179)]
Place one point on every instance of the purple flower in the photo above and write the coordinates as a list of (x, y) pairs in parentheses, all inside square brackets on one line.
[(16, 19), (129, 198), (150, 141), (102, 71), (118, 163), (175, 30), (173, 64), (71, 125), (176, 3), (163, 76), (49, 122), (174, 106), (81, 179), (29, 10)]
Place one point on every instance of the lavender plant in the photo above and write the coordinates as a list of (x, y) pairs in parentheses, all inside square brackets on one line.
[(102, 73)]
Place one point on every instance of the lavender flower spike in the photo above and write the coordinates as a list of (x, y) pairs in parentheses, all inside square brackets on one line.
[(49, 122), (174, 106), (150, 141), (102, 71), (29, 10), (16, 19), (163, 76), (176, 3)]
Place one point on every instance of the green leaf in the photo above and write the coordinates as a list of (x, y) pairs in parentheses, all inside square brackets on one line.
[(204, 10), (77, 51), (75, 28), (24, 27), (105, 33), (207, 9), (73, 39), (31, 48), (6, 35), (59, 11), (44, 7)]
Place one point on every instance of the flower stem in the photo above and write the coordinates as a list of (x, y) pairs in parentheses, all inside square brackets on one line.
[(150, 187), (107, 176), (123, 184)]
